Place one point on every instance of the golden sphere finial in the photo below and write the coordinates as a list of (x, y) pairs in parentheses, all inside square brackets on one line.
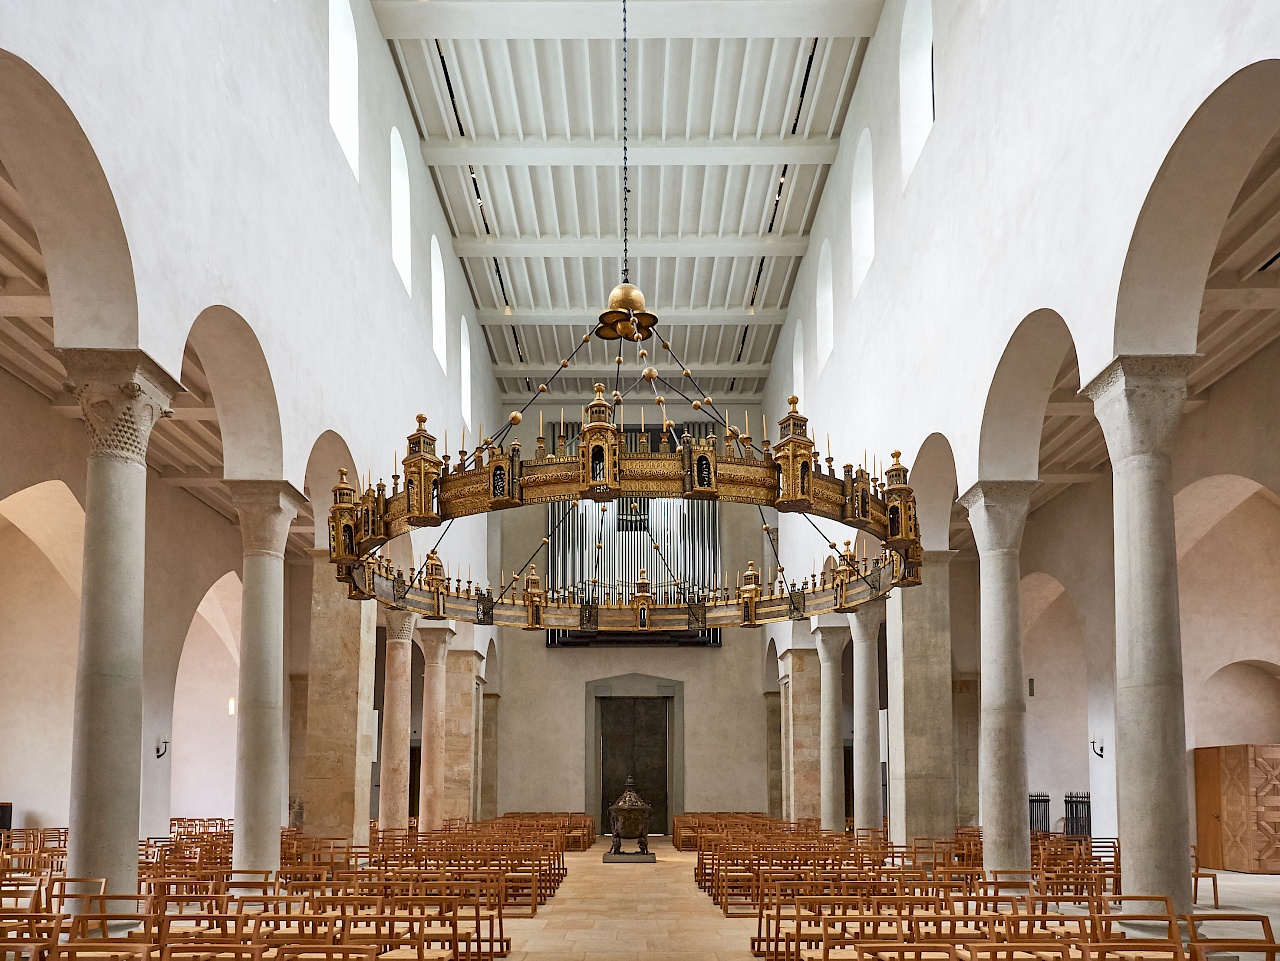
[(515, 417)]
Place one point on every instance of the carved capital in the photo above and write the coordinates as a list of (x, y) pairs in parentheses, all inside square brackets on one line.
[(832, 634), (1138, 401), (122, 393), (400, 625), (869, 616), (434, 642), (998, 513), (266, 509)]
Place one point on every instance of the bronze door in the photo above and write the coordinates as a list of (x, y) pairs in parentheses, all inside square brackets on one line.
[(633, 743)]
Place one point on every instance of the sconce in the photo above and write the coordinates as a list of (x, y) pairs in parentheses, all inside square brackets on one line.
[(1096, 747), (162, 748)]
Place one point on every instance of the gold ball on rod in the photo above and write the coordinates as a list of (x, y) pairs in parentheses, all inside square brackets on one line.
[(697, 405), (542, 388), (563, 364), (545, 541), (515, 417), (687, 372)]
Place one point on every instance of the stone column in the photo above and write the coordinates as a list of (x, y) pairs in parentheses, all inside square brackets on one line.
[(1138, 401), (435, 646), (967, 711), (867, 790), (297, 748), (397, 706), (784, 699), (805, 698), (462, 670), (266, 509), (121, 394), (922, 794), (489, 771), (773, 750), (339, 709), (832, 636), (998, 514)]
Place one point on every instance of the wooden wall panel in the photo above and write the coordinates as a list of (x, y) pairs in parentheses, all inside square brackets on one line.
[(1265, 777), (1237, 808), (1208, 807)]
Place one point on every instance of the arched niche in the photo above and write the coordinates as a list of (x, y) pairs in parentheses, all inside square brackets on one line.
[(87, 263), (244, 394), (329, 454), (203, 729), (1181, 220), (42, 537), (933, 479), (1055, 662), (1239, 704), (1013, 417)]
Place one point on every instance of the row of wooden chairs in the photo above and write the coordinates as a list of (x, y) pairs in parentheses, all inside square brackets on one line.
[(832, 895)]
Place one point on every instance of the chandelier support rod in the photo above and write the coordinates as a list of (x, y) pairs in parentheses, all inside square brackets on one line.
[(536, 391), (599, 555), (626, 166), (534, 556)]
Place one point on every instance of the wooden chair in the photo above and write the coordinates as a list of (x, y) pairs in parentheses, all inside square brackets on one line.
[(1197, 874), (1205, 937)]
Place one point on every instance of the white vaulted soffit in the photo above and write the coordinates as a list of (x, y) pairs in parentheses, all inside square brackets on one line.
[(736, 111)]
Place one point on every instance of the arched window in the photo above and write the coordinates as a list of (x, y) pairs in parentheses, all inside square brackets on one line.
[(862, 215), (915, 81), (464, 362), (797, 363), (439, 334), (344, 81), (825, 307), (401, 246)]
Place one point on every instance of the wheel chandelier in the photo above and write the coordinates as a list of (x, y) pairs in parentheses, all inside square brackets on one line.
[(600, 466)]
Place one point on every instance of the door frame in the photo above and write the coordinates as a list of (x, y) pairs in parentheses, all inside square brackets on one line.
[(637, 685)]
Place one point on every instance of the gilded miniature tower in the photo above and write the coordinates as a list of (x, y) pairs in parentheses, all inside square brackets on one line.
[(903, 526), (699, 463), (344, 520), (535, 599), (433, 579), (642, 600), (422, 478), (750, 593), (599, 457), (793, 455)]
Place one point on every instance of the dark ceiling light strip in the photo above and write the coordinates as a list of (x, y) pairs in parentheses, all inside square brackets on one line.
[(453, 101)]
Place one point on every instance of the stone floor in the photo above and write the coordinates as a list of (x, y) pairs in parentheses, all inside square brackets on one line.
[(629, 912), (654, 912)]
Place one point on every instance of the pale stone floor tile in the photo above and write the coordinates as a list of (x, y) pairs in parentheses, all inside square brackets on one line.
[(630, 912)]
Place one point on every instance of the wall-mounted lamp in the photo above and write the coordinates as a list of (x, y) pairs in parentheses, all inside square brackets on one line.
[(162, 748), (1097, 748)]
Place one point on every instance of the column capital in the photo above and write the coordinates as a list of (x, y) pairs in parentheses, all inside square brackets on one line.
[(400, 625), (434, 642), (833, 633), (871, 615), (122, 393), (998, 513), (1138, 401), (266, 509)]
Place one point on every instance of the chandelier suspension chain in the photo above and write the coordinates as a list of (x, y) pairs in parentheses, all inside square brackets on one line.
[(626, 168)]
